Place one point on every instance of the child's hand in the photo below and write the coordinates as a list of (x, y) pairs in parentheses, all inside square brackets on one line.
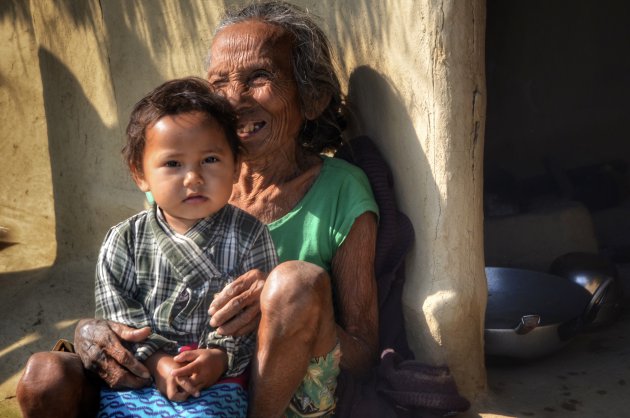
[(161, 366), (202, 369)]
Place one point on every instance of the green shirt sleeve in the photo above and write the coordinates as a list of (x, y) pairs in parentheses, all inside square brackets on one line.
[(318, 225)]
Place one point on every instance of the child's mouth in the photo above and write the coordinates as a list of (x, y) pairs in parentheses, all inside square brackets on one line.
[(195, 199)]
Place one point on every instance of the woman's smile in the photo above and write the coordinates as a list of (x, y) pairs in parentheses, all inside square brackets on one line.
[(246, 130)]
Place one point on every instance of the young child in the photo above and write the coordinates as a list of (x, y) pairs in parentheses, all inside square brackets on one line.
[(161, 267)]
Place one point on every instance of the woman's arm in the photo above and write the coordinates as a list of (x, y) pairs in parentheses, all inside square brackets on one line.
[(236, 309), (355, 295)]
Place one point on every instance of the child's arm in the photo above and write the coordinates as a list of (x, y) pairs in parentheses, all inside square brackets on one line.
[(238, 351)]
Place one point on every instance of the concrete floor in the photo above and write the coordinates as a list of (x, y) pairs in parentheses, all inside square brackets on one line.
[(588, 378)]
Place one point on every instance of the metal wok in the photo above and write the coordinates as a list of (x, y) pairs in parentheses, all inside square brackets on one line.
[(531, 314)]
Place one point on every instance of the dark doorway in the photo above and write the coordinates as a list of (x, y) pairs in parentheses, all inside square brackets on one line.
[(557, 151)]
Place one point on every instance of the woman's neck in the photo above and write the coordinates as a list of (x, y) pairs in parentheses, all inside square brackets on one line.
[(269, 189)]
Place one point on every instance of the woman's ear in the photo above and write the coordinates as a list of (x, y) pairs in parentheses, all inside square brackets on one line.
[(319, 103), (138, 178)]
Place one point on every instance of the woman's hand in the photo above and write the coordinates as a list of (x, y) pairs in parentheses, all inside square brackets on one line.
[(98, 344), (202, 368), (235, 310)]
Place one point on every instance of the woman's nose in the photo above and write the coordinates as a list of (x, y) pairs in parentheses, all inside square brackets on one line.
[(193, 178), (235, 92)]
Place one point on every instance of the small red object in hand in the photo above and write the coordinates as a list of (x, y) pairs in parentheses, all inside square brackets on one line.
[(188, 347)]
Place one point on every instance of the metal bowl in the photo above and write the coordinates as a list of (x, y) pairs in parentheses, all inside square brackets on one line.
[(531, 314)]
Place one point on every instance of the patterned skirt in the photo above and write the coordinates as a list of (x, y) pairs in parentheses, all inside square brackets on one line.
[(221, 400)]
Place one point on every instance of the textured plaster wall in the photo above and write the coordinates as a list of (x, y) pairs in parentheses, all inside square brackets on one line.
[(416, 77), (26, 204), (70, 72)]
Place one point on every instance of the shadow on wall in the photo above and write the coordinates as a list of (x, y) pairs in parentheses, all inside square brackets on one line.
[(43, 305), (363, 26), (72, 123), (14, 10), (160, 38), (380, 113)]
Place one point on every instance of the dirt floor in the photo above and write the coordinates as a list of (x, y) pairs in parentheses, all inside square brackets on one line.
[(37, 308), (588, 378)]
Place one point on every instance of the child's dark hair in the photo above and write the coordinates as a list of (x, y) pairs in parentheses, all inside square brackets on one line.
[(184, 95)]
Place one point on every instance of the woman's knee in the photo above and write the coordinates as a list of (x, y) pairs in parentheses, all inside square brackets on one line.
[(50, 378), (296, 303), (54, 367), (297, 284)]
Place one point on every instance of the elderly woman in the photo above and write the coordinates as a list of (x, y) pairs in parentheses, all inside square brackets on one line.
[(316, 312)]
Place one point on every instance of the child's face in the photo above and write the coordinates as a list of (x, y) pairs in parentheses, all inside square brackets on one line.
[(189, 168)]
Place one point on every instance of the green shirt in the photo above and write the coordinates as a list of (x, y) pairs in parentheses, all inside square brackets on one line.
[(321, 221)]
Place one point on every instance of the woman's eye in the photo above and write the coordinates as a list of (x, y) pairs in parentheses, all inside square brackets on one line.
[(218, 84), (210, 160), (171, 164), (259, 77)]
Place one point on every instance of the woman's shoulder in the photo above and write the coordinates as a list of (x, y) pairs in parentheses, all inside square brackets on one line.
[(352, 185), (343, 170), (339, 181)]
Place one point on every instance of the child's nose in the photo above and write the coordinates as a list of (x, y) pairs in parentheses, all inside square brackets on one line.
[(193, 178)]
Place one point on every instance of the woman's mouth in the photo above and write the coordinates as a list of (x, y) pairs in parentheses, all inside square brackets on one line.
[(250, 128)]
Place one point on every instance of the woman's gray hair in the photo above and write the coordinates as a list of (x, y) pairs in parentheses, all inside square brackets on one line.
[(313, 69)]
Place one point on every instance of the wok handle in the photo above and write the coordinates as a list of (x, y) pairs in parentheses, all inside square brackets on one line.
[(571, 328), (591, 310), (527, 324)]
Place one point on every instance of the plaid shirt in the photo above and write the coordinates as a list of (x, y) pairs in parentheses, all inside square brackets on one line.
[(148, 275)]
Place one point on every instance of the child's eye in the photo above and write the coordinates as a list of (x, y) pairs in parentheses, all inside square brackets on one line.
[(171, 164), (210, 160)]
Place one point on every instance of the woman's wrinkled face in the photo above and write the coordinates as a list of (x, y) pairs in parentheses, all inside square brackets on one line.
[(251, 66)]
